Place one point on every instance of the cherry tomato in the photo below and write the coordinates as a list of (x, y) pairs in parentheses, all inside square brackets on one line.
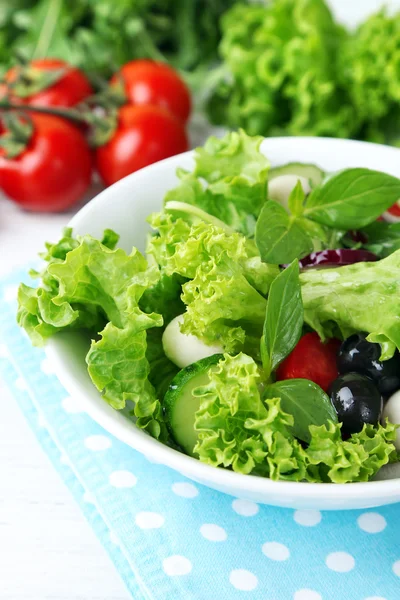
[(393, 213), (149, 82), (71, 89), (311, 359), (145, 134), (54, 170)]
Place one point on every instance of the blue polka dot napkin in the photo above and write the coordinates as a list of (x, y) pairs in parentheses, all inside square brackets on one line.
[(171, 539)]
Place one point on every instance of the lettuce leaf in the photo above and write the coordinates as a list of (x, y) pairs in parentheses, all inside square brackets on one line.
[(224, 296), (281, 71), (359, 297), (89, 286), (229, 180), (237, 430)]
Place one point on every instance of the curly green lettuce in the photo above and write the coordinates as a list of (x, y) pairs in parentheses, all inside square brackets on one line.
[(88, 286), (369, 69), (281, 63), (229, 180), (238, 430), (359, 297), (225, 295)]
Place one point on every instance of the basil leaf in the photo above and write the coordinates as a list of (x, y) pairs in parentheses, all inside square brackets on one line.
[(284, 318), (279, 237), (306, 401), (383, 238), (296, 200), (352, 198)]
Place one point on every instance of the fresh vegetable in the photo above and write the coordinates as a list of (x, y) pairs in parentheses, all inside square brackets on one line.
[(145, 134), (339, 257), (345, 300), (311, 359), (257, 402), (149, 82), (281, 71), (237, 429), (289, 69), (357, 402), (45, 163), (359, 355), (99, 36), (284, 318), (311, 173), (181, 405), (47, 82), (280, 188), (306, 401)]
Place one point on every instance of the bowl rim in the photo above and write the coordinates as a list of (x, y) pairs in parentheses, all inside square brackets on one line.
[(126, 431)]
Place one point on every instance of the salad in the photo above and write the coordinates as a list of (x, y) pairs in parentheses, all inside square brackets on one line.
[(260, 332)]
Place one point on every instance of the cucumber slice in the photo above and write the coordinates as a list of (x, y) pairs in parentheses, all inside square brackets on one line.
[(184, 349), (314, 174), (195, 214), (180, 405)]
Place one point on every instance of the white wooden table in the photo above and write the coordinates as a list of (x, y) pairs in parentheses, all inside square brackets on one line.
[(47, 549)]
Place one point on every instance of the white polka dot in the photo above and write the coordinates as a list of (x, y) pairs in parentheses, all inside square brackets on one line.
[(276, 551), (97, 442), (21, 384), (149, 520), (375, 598), (71, 405), (307, 518), (46, 366), (371, 522), (122, 479), (396, 568), (10, 292), (4, 351), (114, 538), (243, 580), (176, 565), (41, 421), (342, 562), (89, 498), (306, 594), (245, 508), (186, 490), (213, 533), (65, 460)]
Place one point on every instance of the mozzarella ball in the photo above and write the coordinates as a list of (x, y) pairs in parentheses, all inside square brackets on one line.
[(391, 411), (183, 349)]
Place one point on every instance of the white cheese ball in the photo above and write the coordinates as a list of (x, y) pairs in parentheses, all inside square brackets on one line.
[(279, 188), (392, 412), (183, 349)]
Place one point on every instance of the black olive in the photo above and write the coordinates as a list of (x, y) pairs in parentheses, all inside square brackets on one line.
[(356, 400), (358, 355)]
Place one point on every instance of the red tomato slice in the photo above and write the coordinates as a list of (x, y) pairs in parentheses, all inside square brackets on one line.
[(311, 359)]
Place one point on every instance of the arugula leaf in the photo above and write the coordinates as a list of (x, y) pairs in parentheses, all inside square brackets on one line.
[(352, 198), (305, 401), (284, 318), (279, 236)]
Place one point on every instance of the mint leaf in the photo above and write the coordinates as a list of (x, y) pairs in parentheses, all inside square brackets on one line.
[(279, 236), (352, 198), (284, 319), (306, 402)]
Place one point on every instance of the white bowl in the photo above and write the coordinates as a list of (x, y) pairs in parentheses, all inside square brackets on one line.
[(124, 208)]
